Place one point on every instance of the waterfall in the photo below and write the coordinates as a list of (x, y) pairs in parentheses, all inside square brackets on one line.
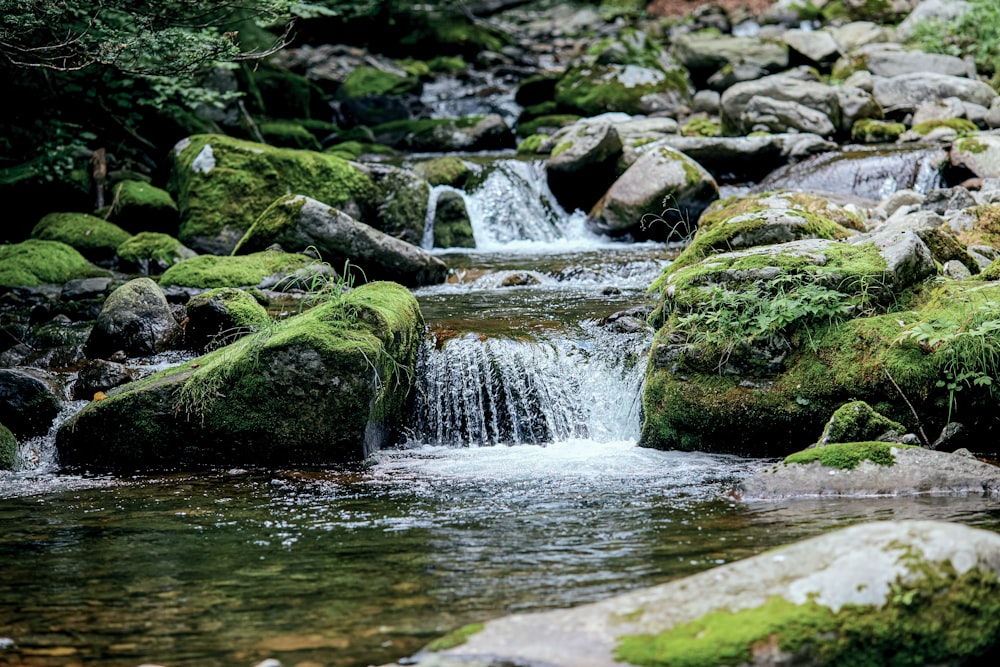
[(427, 240), (488, 391)]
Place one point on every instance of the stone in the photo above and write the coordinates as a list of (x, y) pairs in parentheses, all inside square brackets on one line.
[(910, 471), (730, 75), (8, 457), (979, 153), (29, 402), (152, 253), (270, 269), (885, 61), (907, 258), (856, 104), (818, 47), (582, 164), (221, 315), (662, 183), (812, 95), (858, 422), (777, 116), (437, 135), (452, 227), (850, 36), (904, 93), (591, 89), (711, 51), (956, 270), (328, 385), (943, 109), (85, 288), (399, 202), (706, 101), (99, 375), (831, 598), (92, 237), (298, 222), (136, 320), (137, 206)]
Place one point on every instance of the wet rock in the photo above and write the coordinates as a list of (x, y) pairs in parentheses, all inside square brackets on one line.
[(449, 170), (791, 604), (399, 200), (29, 401), (151, 253), (297, 222), (433, 135), (520, 279), (85, 288), (582, 164), (896, 471), (374, 95), (942, 200), (812, 95), (328, 385), (136, 320), (220, 316), (99, 375), (904, 93), (452, 227), (979, 153), (740, 158), (950, 434), (8, 456), (663, 183), (271, 269)]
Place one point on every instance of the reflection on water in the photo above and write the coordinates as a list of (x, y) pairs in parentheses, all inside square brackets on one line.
[(363, 566)]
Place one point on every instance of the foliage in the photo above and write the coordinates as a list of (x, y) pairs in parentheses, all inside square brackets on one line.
[(975, 33)]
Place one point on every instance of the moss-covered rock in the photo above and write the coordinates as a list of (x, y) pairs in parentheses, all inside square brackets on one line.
[(8, 448), (288, 134), (593, 89), (152, 253), (95, 239), (858, 422), (29, 402), (470, 133), (325, 386), (547, 124), (221, 315), (449, 170), (222, 184), (870, 131), (452, 227), (137, 206), (399, 201), (35, 262), (269, 269), (136, 319), (960, 125)]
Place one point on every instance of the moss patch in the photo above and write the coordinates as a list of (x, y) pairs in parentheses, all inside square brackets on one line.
[(138, 206), (161, 248), (960, 125), (596, 89), (36, 262), (848, 455), (208, 271), (531, 144), (456, 638), (701, 127), (86, 233), (288, 134), (871, 131), (364, 81), (857, 421), (535, 125), (8, 448), (449, 170)]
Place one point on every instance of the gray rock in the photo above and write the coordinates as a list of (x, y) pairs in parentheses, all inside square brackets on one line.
[(889, 62), (489, 132), (706, 101), (943, 109), (662, 178), (992, 117), (901, 198), (297, 223), (861, 570), (858, 33), (100, 375), (980, 154), (730, 75), (777, 116), (904, 93), (956, 270), (856, 104), (136, 320), (816, 96), (701, 51), (908, 259), (583, 164), (84, 288), (915, 471), (29, 401), (220, 316), (747, 157), (819, 47)]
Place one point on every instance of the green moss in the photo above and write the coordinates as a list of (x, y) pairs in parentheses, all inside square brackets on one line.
[(208, 271), (848, 455), (857, 422), (243, 310), (960, 125), (247, 178), (531, 144), (701, 127), (447, 64), (448, 170), (562, 147), (8, 448), (36, 262), (931, 616), (456, 638), (991, 272), (547, 121), (86, 233), (364, 81), (160, 248), (870, 131), (288, 134), (139, 194), (971, 145), (596, 89)]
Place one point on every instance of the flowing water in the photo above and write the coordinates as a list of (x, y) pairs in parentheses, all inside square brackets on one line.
[(519, 487)]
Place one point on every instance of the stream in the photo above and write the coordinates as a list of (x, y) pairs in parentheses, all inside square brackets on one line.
[(519, 487)]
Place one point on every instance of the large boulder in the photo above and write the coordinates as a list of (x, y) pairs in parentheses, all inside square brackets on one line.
[(980, 154), (268, 269), (399, 200), (920, 592), (745, 158), (904, 93), (137, 320), (34, 262), (28, 401), (137, 206), (872, 469), (220, 316), (151, 253), (426, 135), (373, 95), (223, 184), (707, 51), (583, 163), (660, 196), (94, 238), (325, 386), (452, 226), (812, 95), (297, 223)]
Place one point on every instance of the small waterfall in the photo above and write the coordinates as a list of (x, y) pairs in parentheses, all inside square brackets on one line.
[(427, 240), (38, 454), (488, 391), (513, 203)]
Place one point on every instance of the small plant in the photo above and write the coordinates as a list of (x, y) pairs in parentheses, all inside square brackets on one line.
[(681, 227), (975, 32)]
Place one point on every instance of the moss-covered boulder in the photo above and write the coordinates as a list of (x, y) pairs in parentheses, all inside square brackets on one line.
[(221, 315), (136, 320), (29, 401), (288, 134), (754, 354), (151, 253), (870, 131), (370, 96), (436, 135), (8, 448), (137, 206), (223, 184), (660, 196), (35, 262), (297, 223), (920, 592), (399, 202), (858, 422), (268, 269), (452, 227), (325, 386), (95, 239), (979, 153), (815, 104), (872, 468), (450, 170), (583, 163), (737, 223)]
